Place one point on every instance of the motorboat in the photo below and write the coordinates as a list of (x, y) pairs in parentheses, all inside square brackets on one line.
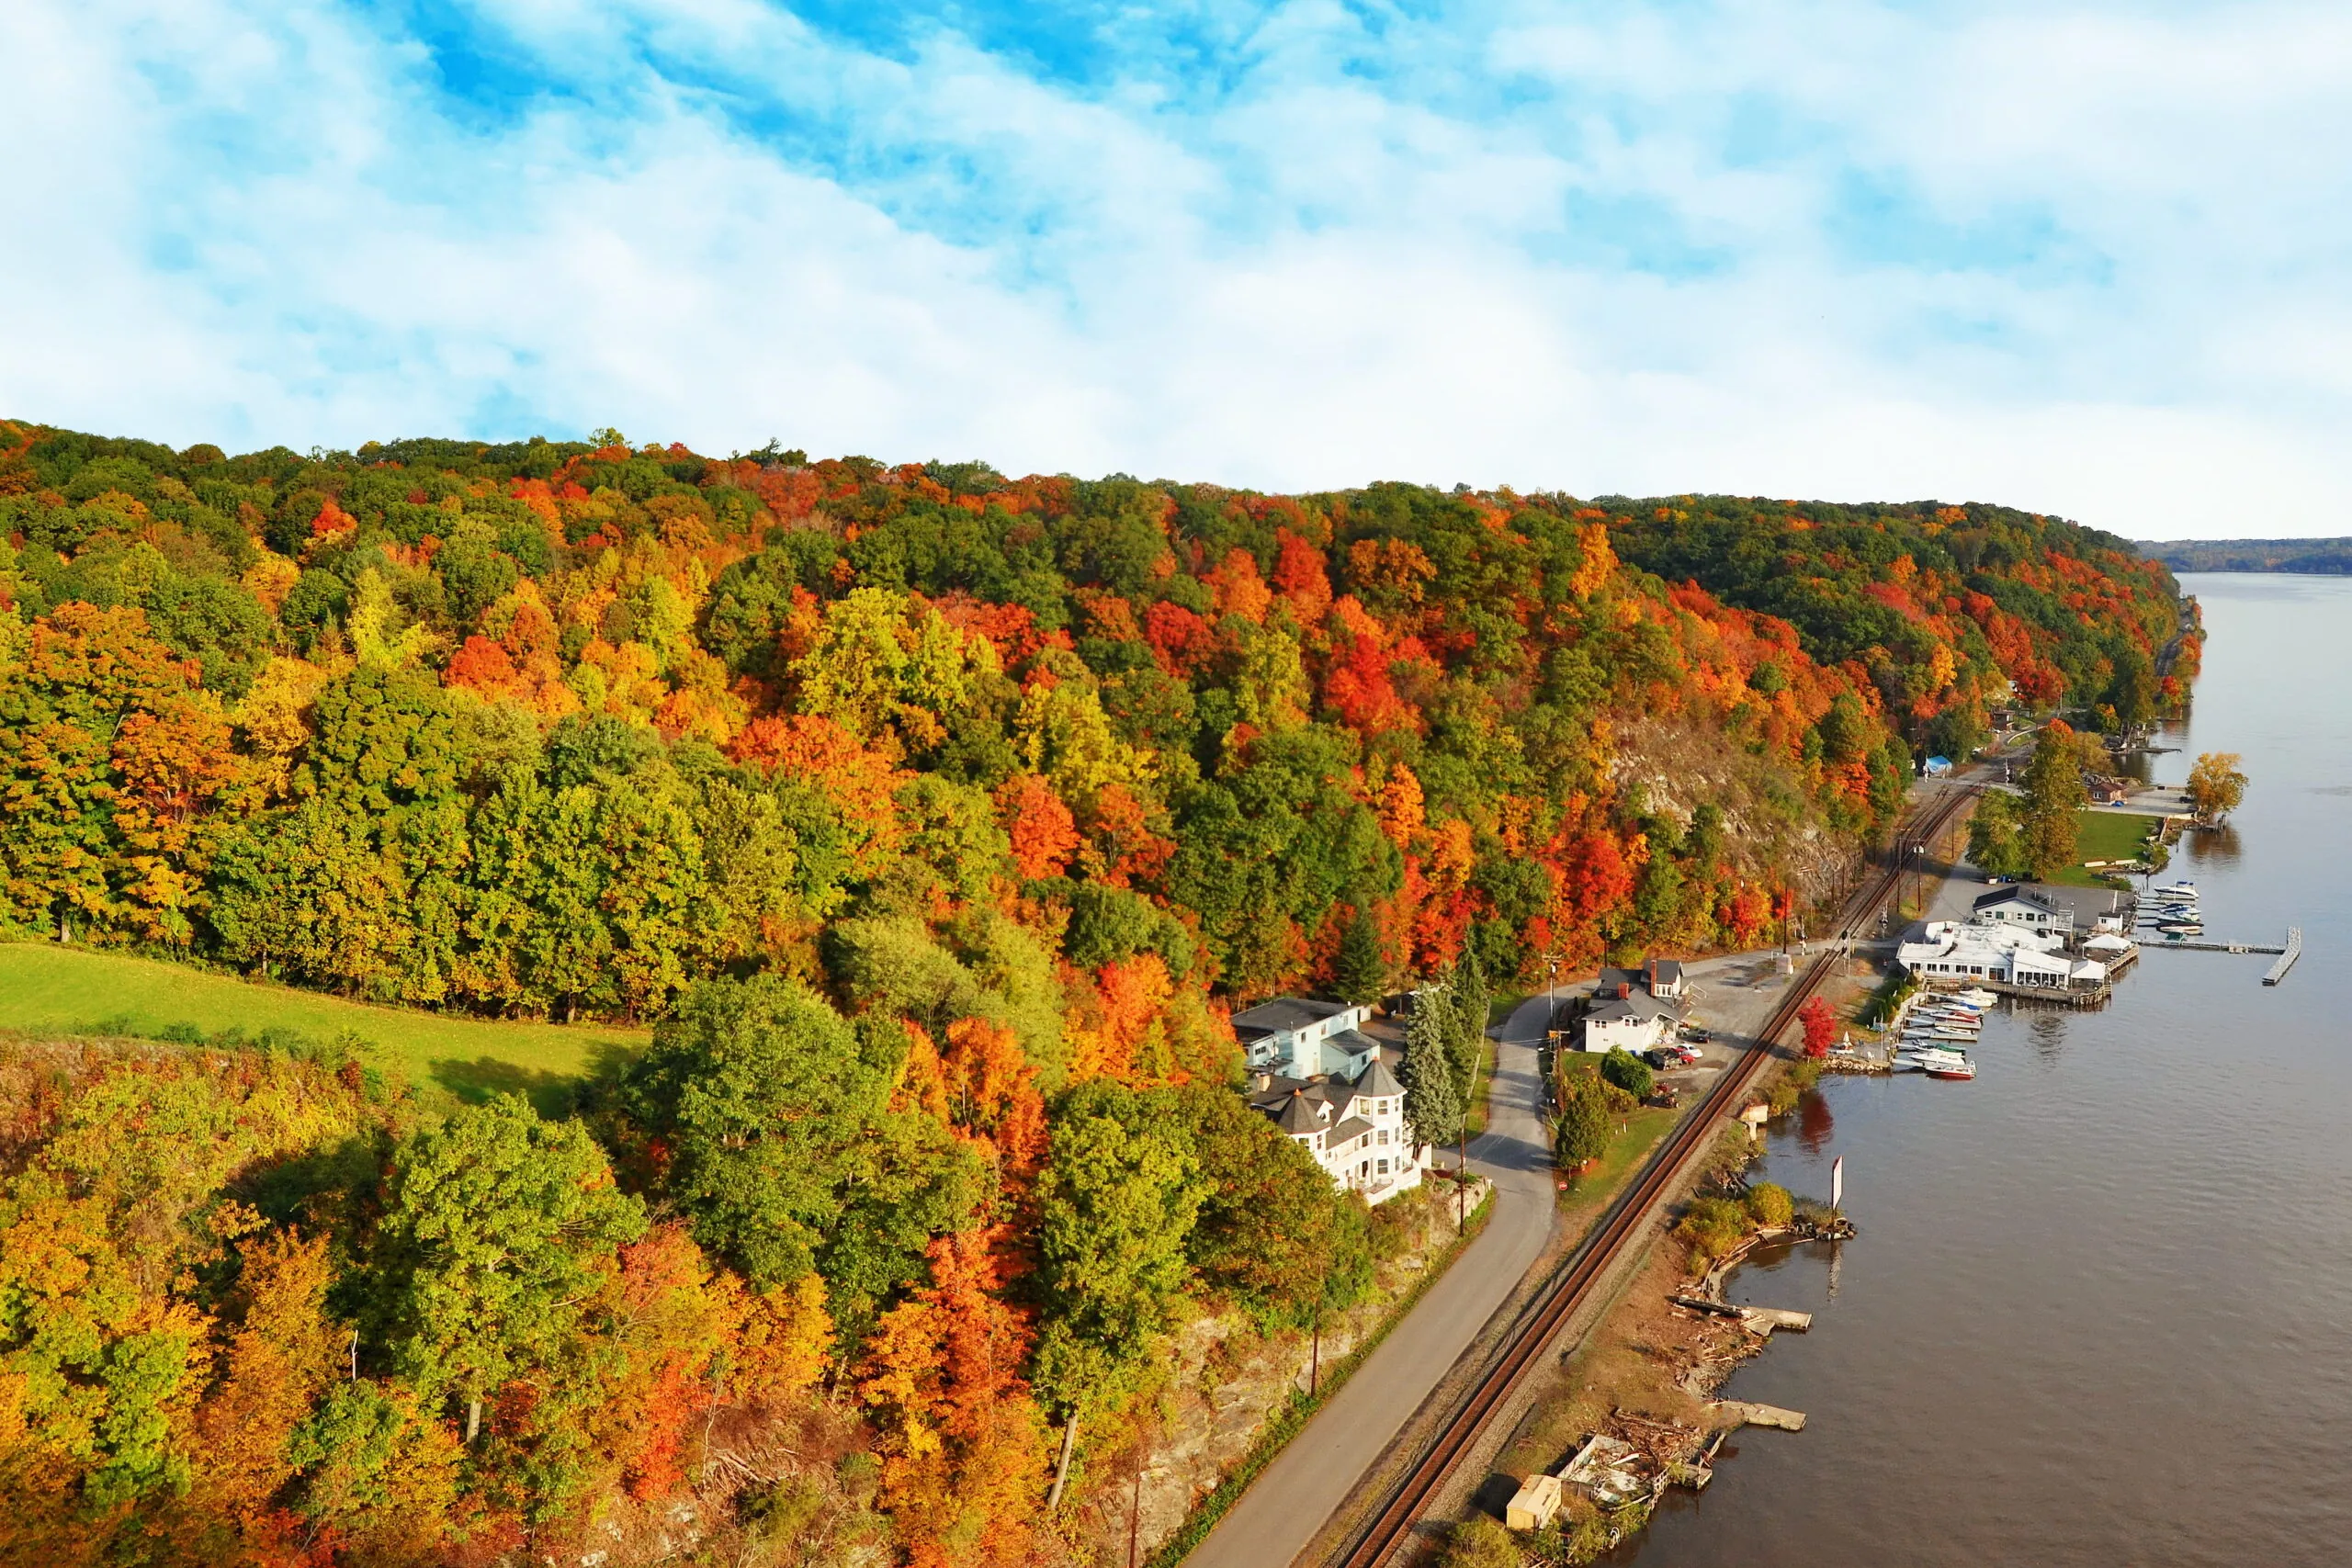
[(1945, 1063), (2177, 890), (2182, 928), (1975, 997)]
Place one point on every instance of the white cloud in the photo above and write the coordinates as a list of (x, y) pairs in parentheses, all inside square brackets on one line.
[(249, 225)]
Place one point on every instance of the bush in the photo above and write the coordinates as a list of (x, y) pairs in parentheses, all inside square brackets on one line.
[(1628, 1072), (1714, 1226), (1768, 1204), (1481, 1542)]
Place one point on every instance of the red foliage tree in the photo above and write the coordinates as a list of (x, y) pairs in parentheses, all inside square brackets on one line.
[(1820, 1027)]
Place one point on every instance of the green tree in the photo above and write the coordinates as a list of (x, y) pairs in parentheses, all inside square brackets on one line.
[(1473, 1001), (1628, 1072), (1361, 972), (1116, 1204), (782, 1147), (497, 1227), (1997, 835), (2055, 794), (1432, 1085), (1274, 1235), (1587, 1121)]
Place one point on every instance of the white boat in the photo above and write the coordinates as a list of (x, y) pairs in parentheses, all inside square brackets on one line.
[(1934, 1039), (1947, 1025), (1945, 1063), (1951, 1015), (1975, 997), (2177, 890)]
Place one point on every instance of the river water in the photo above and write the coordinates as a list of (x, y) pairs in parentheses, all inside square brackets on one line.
[(2100, 1309)]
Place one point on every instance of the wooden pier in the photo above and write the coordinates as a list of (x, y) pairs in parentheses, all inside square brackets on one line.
[(2287, 957)]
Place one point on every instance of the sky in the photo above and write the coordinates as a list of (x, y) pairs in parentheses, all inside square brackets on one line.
[(2086, 258)]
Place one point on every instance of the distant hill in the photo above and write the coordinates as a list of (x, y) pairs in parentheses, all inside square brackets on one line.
[(2251, 555)]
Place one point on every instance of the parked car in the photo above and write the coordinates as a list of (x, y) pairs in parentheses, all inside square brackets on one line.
[(1686, 1054), (1695, 1034), (1663, 1056)]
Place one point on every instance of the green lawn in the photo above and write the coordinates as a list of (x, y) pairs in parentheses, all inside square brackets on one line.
[(1644, 1128), (2106, 835), (44, 987)]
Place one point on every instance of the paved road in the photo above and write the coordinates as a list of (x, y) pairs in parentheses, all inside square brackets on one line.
[(1276, 1518)]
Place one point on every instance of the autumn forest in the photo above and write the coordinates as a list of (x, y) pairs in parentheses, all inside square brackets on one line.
[(936, 822)]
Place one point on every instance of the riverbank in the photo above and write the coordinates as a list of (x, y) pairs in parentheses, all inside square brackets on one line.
[(1645, 1367)]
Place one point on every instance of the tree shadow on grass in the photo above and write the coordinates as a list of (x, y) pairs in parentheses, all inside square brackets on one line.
[(550, 1094)]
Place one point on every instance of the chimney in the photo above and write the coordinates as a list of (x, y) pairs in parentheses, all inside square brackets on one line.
[(1625, 989)]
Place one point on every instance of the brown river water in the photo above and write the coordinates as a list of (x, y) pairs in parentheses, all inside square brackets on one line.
[(2099, 1311)]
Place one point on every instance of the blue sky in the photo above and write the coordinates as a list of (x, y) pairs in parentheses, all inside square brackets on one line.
[(2087, 258)]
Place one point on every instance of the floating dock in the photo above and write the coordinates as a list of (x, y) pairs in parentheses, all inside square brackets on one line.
[(2294, 950)]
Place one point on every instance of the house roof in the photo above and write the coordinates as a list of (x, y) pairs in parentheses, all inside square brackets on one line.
[(1287, 1012), (1353, 1127), (1610, 1011), (1666, 969), (1612, 978), (1378, 1081), (2002, 895), (1298, 1116)]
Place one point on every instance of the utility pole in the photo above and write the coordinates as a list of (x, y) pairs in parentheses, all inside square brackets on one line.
[(1315, 1366)]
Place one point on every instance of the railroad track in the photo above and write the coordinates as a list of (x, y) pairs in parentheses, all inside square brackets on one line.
[(1573, 1286)]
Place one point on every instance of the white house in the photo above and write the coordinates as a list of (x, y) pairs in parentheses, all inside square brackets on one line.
[(1617, 1022), (1625, 1011), (2012, 955), (1301, 1038), (1666, 978), (2027, 906), (1355, 1131)]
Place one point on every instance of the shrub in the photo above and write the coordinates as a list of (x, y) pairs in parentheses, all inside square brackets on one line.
[(1768, 1204), (1714, 1226), (1628, 1072), (1481, 1542)]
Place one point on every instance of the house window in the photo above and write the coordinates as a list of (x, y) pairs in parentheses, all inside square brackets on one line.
[(1383, 1167)]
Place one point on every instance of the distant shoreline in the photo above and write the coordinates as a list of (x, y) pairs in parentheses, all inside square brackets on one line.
[(2317, 558)]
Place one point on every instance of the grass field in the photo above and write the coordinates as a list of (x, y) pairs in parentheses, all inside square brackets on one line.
[(2105, 835), (1644, 1128), (43, 987)]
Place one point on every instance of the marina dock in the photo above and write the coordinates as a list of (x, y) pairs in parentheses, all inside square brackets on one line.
[(2294, 950)]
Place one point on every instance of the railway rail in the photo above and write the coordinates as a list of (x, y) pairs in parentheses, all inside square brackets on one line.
[(1377, 1541)]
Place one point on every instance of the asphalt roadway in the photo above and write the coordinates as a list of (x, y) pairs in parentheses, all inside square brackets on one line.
[(1313, 1476)]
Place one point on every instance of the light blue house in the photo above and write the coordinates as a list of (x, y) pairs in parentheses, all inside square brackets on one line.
[(1297, 1037)]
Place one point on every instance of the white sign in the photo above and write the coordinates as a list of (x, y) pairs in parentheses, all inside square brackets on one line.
[(1837, 1182)]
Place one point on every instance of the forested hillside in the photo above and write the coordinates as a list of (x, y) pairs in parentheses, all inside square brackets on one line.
[(936, 820)]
